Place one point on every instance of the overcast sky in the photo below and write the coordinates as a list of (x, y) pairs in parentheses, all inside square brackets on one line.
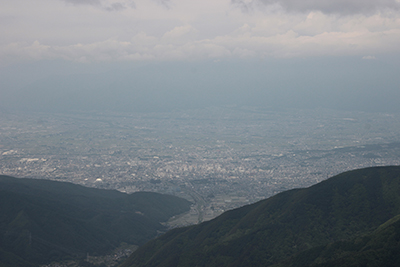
[(44, 39)]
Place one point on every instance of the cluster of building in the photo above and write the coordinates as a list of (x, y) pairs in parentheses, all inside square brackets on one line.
[(218, 158)]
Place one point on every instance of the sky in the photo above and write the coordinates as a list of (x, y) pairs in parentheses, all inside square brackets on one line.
[(123, 55)]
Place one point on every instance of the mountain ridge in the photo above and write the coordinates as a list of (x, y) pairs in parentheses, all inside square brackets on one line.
[(269, 231), (42, 220)]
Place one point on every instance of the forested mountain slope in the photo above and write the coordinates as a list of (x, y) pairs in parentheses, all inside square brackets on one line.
[(351, 204), (42, 220), (378, 248)]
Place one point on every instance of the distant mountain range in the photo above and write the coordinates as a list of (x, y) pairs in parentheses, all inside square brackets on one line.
[(43, 221), (348, 220)]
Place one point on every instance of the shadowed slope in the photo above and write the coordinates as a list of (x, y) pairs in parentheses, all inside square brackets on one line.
[(43, 220), (271, 230), (379, 248)]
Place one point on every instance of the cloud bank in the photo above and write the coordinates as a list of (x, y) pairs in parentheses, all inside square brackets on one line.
[(326, 6), (84, 2), (176, 30)]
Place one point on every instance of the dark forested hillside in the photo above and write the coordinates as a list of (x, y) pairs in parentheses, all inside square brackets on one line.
[(349, 205), (42, 221), (378, 248)]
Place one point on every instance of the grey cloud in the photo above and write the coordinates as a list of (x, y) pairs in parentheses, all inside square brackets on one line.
[(132, 5), (113, 7), (245, 7), (325, 6), (116, 7), (164, 3), (84, 2)]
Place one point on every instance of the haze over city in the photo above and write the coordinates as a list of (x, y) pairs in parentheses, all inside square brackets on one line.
[(222, 102)]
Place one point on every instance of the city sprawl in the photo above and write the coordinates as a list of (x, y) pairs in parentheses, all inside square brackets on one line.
[(218, 158)]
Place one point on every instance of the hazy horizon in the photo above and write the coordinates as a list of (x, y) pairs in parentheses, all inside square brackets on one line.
[(160, 55)]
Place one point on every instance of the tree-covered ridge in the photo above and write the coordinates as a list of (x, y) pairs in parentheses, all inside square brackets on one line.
[(379, 248), (267, 232), (43, 220)]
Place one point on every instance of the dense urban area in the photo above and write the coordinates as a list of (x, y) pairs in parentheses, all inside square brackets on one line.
[(218, 158)]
